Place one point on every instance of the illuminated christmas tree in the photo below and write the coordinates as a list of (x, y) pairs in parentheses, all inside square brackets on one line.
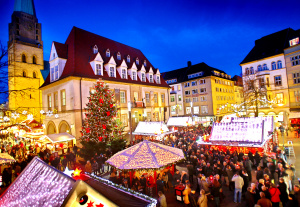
[(101, 131)]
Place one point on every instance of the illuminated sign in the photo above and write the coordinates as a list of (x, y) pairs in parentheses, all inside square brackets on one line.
[(294, 41)]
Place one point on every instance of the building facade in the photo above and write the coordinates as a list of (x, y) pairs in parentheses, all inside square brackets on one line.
[(266, 64), (25, 59), (200, 90), (85, 57)]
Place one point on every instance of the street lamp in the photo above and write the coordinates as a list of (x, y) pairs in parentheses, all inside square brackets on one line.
[(192, 110), (130, 127)]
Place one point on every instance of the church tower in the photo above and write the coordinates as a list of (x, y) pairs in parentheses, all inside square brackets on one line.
[(25, 59)]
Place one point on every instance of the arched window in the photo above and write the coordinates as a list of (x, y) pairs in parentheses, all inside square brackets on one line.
[(265, 67), (119, 56), (23, 58), (34, 75), (107, 53), (95, 49), (145, 63), (259, 68), (34, 60), (128, 58), (251, 70), (279, 64), (137, 61), (24, 73), (247, 71), (273, 66)]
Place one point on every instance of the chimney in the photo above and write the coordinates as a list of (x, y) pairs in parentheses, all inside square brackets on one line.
[(189, 64)]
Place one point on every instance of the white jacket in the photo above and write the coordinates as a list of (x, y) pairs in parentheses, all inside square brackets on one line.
[(239, 182)]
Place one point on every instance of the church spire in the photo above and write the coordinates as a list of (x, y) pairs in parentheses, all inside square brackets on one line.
[(26, 6)]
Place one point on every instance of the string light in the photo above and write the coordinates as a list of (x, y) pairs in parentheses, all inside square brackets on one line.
[(15, 115), (30, 116), (24, 112), (49, 113)]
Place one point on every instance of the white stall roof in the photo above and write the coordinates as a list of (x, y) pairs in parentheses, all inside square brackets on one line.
[(61, 137), (179, 121), (151, 128)]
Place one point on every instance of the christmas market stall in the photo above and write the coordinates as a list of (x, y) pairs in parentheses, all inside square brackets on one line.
[(146, 158), (40, 184), (242, 134), (152, 131), (57, 142)]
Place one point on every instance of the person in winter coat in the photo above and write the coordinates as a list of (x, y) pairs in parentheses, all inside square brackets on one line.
[(275, 193), (215, 191), (230, 175), (88, 167), (264, 202), (250, 197), (292, 202), (186, 193), (202, 201), (283, 191)]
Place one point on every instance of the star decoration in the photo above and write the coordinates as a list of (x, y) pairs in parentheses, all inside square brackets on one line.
[(5, 118), (76, 172), (100, 205), (56, 115), (15, 115), (24, 112), (90, 204), (29, 116), (49, 113), (68, 172)]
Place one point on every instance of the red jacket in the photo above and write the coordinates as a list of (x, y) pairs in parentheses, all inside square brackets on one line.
[(275, 192)]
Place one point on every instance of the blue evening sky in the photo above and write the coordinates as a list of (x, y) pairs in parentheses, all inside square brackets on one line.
[(169, 33)]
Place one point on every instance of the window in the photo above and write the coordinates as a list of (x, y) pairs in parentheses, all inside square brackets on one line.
[(151, 78), (195, 75), (155, 98), (63, 99), (277, 80), (279, 64), (56, 100), (179, 97), (119, 56), (195, 99), (34, 75), (261, 82), (98, 69), (265, 67), (111, 72), (196, 109), (137, 61), (187, 100), (34, 60), (149, 116), (49, 99), (128, 58), (23, 58), (136, 96), (95, 49), (24, 74), (187, 92), (202, 81), (145, 63), (156, 116), (188, 110), (143, 77), (194, 83), (172, 98), (107, 53), (297, 96), (217, 89), (133, 75), (279, 98), (247, 71), (122, 97), (56, 72), (147, 97), (52, 74), (195, 91), (203, 98), (251, 70), (179, 88), (295, 60), (173, 108), (124, 119), (259, 68), (53, 56), (124, 74), (296, 77), (204, 110), (273, 66), (216, 81), (157, 79), (186, 85), (162, 98), (202, 90), (36, 37)]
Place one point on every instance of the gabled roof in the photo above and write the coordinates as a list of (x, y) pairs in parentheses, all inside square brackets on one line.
[(271, 45), (61, 49), (238, 80), (182, 74), (79, 46)]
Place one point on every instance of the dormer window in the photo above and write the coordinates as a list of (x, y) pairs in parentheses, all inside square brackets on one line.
[(157, 79), (128, 58), (133, 75), (111, 72), (56, 72), (143, 77), (137, 61), (151, 78), (124, 74), (119, 56), (53, 55), (98, 69), (145, 63), (95, 49), (107, 53)]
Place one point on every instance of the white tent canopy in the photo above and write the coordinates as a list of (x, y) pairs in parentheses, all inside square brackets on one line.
[(179, 121), (151, 128), (54, 138)]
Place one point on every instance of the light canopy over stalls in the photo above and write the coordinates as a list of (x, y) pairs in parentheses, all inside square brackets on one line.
[(146, 155), (6, 158), (54, 138)]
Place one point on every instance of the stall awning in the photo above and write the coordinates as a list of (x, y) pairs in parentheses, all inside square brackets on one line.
[(54, 138), (179, 121), (151, 128), (294, 115)]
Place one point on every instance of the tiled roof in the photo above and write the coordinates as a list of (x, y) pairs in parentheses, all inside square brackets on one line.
[(79, 46), (238, 80), (182, 74), (61, 49), (271, 45)]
